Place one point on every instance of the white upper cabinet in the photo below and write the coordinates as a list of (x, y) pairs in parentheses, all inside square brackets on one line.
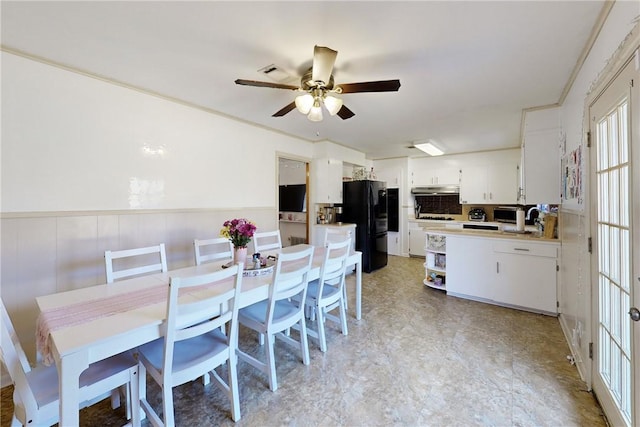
[(541, 168), (392, 176), (436, 176), (327, 181), (435, 171), (473, 185), (541, 158), (392, 171), (495, 183)]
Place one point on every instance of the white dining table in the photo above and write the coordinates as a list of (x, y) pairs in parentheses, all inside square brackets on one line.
[(74, 348)]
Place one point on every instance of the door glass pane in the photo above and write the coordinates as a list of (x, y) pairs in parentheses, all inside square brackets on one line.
[(625, 266), (602, 148), (603, 194), (614, 159), (614, 257), (625, 399), (624, 196), (603, 239), (625, 333), (624, 132)]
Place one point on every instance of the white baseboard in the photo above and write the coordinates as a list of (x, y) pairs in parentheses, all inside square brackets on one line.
[(575, 352)]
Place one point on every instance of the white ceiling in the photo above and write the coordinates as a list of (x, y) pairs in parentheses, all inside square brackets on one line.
[(467, 68)]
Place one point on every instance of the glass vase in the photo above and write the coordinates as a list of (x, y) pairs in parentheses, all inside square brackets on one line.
[(240, 254)]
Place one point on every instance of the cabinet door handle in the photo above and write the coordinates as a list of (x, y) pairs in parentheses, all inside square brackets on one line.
[(497, 267), (521, 249)]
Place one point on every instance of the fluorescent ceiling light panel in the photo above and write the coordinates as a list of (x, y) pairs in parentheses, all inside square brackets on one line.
[(429, 148)]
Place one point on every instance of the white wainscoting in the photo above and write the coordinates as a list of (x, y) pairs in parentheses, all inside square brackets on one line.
[(574, 292), (44, 253)]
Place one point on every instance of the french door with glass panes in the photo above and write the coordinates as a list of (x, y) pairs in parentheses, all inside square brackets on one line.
[(615, 191)]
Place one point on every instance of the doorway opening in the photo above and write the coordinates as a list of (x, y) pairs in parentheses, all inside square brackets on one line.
[(293, 200)]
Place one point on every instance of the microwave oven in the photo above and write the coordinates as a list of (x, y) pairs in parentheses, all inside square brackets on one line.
[(505, 214)]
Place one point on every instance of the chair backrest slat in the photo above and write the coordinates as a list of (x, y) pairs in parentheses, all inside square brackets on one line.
[(212, 249), (267, 241), (333, 235), (138, 253)]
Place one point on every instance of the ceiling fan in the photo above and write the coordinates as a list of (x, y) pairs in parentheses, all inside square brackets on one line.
[(319, 88)]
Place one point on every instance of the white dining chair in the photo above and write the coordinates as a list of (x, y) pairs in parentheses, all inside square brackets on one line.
[(208, 250), (327, 292), (332, 235), (136, 261), (267, 241), (36, 390), (212, 249), (193, 344), (339, 235), (147, 260), (272, 317)]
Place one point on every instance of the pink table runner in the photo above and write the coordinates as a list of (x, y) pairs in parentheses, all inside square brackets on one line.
[(86, 311)]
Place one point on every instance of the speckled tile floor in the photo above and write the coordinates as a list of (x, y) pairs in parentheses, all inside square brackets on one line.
[(417, 358)]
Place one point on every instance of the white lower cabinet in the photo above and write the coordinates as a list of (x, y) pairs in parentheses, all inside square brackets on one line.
[(393, 243), (526, 275), (469, 266), (416, 242), (508, 272)]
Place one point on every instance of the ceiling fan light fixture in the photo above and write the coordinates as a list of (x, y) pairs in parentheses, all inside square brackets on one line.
[(332, 104), (304, 103), (429, 148), (317, 87), (315, 114)]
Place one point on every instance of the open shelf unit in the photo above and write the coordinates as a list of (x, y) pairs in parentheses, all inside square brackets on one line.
[(435, 261)]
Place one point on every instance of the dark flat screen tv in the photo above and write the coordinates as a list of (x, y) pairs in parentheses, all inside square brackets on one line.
[(292, 198)]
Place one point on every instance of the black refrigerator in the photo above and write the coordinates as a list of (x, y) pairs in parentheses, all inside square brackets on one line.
[(364, 203)]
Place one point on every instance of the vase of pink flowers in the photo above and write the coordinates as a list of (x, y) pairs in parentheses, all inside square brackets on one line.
[(239, 231)]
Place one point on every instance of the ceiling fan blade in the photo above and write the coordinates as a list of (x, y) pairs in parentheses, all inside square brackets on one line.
[(323, 60), (345, 113), (378, 86), (265, 84), (285, 110)]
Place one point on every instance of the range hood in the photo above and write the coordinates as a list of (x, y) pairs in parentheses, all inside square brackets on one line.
[(435, 190)]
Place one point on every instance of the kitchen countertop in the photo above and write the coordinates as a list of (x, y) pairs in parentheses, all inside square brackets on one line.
[(437, 221), (336, 224), (495, 234)]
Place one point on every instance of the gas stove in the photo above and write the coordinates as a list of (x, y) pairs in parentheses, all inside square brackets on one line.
[(436, 218)]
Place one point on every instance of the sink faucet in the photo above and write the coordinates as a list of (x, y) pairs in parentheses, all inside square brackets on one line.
[(529, 212)]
